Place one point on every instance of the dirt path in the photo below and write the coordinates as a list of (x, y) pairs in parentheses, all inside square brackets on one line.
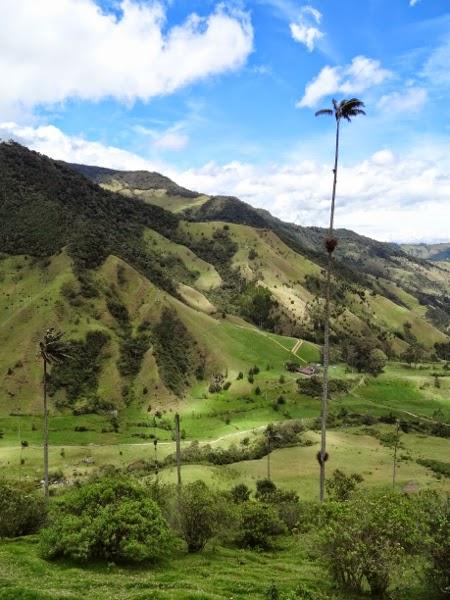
[(150, 443), (298, 344)]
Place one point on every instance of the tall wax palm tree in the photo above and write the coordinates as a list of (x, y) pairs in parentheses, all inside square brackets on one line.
[(52, 349), (345, 109)]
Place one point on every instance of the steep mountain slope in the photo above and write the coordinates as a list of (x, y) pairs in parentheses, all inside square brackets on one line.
[(406, 265), (410, 283), (154, 301)]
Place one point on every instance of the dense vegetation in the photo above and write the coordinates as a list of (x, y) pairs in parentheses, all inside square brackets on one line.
[(365, 541), (176, 352)]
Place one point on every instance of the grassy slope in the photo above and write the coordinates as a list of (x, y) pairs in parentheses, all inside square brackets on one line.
[(172, 202), (207, 275), (283, 272), (216, 574)]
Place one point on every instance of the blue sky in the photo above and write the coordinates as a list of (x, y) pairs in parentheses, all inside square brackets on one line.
[(221, 97)]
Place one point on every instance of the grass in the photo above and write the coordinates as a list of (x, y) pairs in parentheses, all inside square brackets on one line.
[(218, 573)]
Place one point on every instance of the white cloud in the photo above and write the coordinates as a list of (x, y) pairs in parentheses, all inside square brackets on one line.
[(412, 100), (172, 140), (388, 197), (413, 2), (54, 50), (401, 197), (305, 35), (383, 157), (51, 141), (361, 74), (304, 29)]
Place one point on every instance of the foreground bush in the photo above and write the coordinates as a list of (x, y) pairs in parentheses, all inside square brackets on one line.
[(111, 519), (22, 511), (259, 524), (369, 539), (438, 547), (199, 514)]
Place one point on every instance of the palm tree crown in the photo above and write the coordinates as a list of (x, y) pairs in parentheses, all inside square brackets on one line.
[(52, 348), (345, 109)]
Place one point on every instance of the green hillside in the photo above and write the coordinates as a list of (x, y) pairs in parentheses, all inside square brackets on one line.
[(198, 310)]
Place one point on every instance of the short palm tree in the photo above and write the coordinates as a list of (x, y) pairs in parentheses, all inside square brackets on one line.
[(52, 349), (345, 109), (155, 447), (271, 438)]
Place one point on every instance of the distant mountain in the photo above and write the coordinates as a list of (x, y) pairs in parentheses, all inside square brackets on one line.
[(433, 252), (136, 180)]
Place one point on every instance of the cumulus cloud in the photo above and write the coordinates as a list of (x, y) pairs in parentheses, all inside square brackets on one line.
[(412, 100), (55, 50), (361, 74), (388, 197), (400, 197), (304, 30), (413, 2), (51, 141)]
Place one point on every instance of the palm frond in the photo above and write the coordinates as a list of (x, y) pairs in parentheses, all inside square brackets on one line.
[(324, 111)]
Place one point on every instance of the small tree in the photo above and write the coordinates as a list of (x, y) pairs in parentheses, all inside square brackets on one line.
[(368, 539), (240, 493), (22, 511), (110, 519), (341, 486), (259, 524), (413, 354), (439, 548), (197, 517), (52, 350)]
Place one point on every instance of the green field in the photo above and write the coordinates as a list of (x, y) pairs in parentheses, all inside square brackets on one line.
[(218, 573)]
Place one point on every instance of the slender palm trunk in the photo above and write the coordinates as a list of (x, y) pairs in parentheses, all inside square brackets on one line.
[(394, 471), (326, 341), (178, 448), (268, 460), (45, 432), (156, 461)]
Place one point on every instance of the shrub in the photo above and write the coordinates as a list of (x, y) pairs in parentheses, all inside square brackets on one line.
[(110, 519), (22, 511), (264, 488), (438, 548), (240, 493), (341, 486), (369, 538), (258, 525), (197, 517)]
